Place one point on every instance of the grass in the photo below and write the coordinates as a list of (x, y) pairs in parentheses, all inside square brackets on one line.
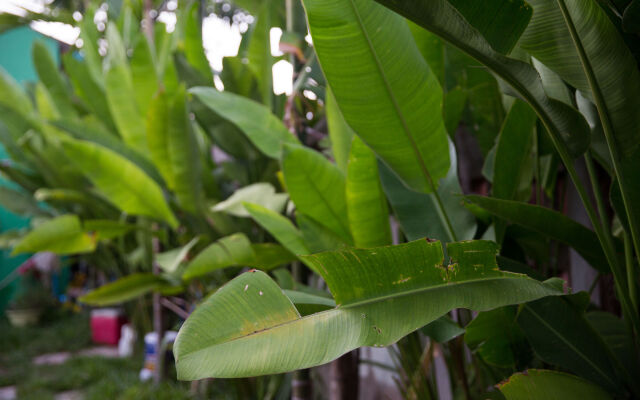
[(97, 377)]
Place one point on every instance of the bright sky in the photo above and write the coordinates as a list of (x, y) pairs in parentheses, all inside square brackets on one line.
[(220, 39)]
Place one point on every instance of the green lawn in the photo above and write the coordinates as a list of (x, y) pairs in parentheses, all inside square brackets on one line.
[(97, 377)]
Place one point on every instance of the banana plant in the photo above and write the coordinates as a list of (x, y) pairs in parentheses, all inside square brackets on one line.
[(365, 228), (368, 52)]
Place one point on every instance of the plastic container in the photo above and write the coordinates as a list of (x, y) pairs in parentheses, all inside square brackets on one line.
[(127, 341), (106, 325), (150, 358)]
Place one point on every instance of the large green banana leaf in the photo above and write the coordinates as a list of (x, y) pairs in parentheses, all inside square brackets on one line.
[(512, 157), (47, 107), (262, 127), (620, 341), (340, 132), (89, 34), (500, 22), (495, 337), (512, 150), (13, 95), (317, 187), (259, 51), (123, 107), (143, 72), (193, 47), (121, 96), (119, 180), (567, 127), (236, 250), (61, 235), (366, 203), (560, 335), (124, 289), (51, 77), (86, 130), (383, 86), (249, 327), (550, 385), (611, 64), (550, 223), (86, 88), (174, 149)]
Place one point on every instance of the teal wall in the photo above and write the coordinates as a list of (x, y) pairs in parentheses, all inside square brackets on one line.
[(15, 52), (15, 58)]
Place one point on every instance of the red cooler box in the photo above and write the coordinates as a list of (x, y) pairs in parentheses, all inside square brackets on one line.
[(106, 324)]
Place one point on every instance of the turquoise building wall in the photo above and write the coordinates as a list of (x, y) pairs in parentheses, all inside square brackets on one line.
[(15, 58)]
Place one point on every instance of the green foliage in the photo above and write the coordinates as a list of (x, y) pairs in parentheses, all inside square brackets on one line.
[(141, 165), (317, 187), (256, 121), (261, 193), (543, 384), (61, 235), (560, 335), (173, 147), (123, 289), (119, 180), (549, 223), (228, 251), (366, 204)]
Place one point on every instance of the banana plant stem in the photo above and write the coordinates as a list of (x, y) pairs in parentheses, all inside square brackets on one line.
[(445, 215), (631, 271), (597, 193), (607, 246)]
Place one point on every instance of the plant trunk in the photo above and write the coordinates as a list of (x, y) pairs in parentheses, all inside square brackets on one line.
[(301, 385), (158, 329), (157, 317), (345, 377)]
